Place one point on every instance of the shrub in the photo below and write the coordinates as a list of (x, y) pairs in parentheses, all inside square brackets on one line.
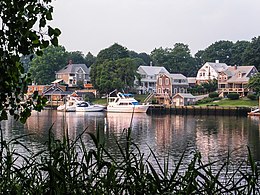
[(252, 96), (233, 96), (213, 94)]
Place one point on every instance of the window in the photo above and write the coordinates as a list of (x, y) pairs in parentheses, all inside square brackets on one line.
[(160, 81), (167, 81), (159, 90)]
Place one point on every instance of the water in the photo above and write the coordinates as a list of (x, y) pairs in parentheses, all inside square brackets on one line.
[(213, 136)]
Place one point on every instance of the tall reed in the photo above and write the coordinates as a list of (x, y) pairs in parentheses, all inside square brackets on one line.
[(70, 167)]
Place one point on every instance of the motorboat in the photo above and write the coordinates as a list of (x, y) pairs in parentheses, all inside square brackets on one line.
[(125, 103), (83, 106), (76, 104), (255, 112), (68, 106)]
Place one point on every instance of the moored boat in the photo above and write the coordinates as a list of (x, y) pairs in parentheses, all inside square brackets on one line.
[(125, 103), (89, 107)]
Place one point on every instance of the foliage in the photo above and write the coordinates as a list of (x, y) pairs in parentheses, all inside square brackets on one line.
[(77, 57), (176, 60), (213, 94), (233, 96), (90, 59), (69, 167), (43, 67), (252, 96), (254, 83), (210, 86), (118, 74), (113, 70), (23, 31), (251, 53), (112, 53)]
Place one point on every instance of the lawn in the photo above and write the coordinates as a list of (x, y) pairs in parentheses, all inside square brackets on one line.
[(245, 102)]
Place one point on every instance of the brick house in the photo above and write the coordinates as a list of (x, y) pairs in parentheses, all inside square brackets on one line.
[(167, 85)]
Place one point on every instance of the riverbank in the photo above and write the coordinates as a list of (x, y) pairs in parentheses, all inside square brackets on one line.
[(199, 110)]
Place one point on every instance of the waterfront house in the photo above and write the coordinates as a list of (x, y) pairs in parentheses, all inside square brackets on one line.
[(209, 71), (183, 99), (167, 85), (148, 76), (74, 74), (55, 92), (235, 80)]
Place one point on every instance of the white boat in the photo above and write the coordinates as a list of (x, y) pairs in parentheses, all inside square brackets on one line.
[(69, 106), (125, 103), (76, 104), (83, 106)]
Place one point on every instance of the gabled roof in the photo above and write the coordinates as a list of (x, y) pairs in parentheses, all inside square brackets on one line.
[(178, 76), (218, 66), (153, 70), (185, 95), (73, 68), (233, 72)]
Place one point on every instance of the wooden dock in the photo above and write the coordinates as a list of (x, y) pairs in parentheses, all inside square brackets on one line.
[(199, 110)]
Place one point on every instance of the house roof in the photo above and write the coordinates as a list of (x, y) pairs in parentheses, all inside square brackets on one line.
[(218, 66), (191, 79), (185, 95), (233, 73), (153, 70), (177, 76), (73, 68)]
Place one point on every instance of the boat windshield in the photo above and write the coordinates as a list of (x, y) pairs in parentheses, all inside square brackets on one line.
[(128, 95), (135, 103)]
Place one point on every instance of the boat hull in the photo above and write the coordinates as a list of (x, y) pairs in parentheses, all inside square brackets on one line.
[(128, 109), (90, 109)]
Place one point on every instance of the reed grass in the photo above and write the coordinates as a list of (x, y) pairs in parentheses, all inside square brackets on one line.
[(70, 167)]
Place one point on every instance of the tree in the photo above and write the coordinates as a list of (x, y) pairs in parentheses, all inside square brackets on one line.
[(251, 54), (254, 83), (77, 57), (90, 59), (220, 50), (176, 60), (43, 67), (108, 57), (23, 31), (114, 52), (118, 74)]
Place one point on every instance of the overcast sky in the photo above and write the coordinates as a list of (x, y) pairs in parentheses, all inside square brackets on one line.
[(142, 25)]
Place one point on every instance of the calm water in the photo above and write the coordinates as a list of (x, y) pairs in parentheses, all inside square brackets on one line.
[(212, 136)]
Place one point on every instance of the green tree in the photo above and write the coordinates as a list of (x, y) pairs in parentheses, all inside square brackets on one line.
[(176, 60), (251, 54), (90, 59), (117, 74), (254, 83), (114, 52), (77, 57), (23, 31), (43, 67), (220, 50)]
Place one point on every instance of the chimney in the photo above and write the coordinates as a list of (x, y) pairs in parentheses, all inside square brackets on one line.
[(235, 67), (70, 61), (216, 61), (151, 63)]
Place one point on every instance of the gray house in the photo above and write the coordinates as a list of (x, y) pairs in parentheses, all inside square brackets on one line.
[(73, 74)]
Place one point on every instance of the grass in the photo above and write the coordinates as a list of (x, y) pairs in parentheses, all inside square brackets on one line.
[(244, 102), (69, 167)]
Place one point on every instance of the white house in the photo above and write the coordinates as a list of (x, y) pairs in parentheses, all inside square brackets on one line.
[(148, 76), (209, 71)]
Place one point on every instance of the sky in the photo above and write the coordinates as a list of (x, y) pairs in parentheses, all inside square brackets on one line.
[(143, 25)]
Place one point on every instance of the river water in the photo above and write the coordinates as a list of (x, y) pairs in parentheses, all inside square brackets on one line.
[(213, 136)]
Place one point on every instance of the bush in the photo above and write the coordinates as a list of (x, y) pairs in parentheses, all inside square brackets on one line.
[(252, 96), (233, 96), (213, 94)]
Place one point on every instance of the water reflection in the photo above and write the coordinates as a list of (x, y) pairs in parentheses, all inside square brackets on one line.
[(212, 136)]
